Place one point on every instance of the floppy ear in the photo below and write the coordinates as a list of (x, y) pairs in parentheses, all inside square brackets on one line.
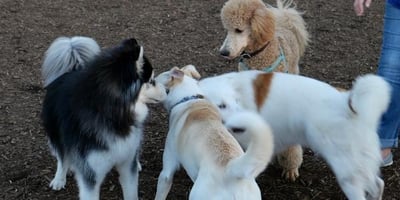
[(190, 70), (262, 25)]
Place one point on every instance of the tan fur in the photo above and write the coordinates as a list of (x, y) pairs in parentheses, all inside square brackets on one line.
[(261, 87), (204, 119), (290, 161), (191, 71), (341, 89), (198, 141), (282, 26)]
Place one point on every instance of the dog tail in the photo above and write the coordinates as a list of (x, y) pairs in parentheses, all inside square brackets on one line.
[(291, 19), (67, 54), (369, 99), (255, 136)]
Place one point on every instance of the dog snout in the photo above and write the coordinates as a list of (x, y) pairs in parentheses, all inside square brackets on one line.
[(224, 52)]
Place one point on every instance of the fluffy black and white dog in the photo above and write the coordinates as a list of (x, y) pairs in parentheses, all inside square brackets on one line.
[(87, 111)]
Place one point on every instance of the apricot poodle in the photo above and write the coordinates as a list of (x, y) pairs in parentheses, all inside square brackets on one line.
[(270, 39)]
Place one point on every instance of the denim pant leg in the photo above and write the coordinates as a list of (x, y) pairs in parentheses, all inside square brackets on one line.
[(389, 68)]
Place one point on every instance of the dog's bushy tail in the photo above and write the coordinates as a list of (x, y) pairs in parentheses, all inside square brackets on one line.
[(369, 98), (255, 136), (66, 54), (288, 17)]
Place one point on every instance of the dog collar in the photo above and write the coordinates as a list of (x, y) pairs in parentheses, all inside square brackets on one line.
[(281, 58), (249, 55), (185, 99)]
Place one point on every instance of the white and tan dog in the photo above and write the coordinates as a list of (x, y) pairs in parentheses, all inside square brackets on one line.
[(340, 126), (199, 142)]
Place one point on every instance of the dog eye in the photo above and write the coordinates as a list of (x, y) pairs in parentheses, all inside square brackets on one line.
[(152, 82), (222, 106), (237, 130), (238, 31), (167, 91)]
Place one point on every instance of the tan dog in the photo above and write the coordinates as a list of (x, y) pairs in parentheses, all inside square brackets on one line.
[(268, 39), (264, 34), (199, 142)]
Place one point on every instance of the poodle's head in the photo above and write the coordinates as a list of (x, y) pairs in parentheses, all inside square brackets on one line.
[(249, 25)]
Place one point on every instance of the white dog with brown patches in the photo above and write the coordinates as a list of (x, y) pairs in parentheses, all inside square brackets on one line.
[(199, 142), (341, 126)]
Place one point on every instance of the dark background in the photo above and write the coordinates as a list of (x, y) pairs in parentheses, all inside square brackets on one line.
[(173, 33)]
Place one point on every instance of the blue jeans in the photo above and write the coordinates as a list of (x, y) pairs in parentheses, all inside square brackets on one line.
[(389, 69)]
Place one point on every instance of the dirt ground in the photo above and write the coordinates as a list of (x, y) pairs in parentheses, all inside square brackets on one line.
[(174, 33)]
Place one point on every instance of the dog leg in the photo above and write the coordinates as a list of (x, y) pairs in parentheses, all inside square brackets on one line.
[(90, 178), (60, 178), (170, 165), (377, 192), (129, 178), (354, 178), (352, 188), (291, 160), (89, 188)]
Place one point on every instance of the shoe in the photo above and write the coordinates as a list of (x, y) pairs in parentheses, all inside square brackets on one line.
[(387, 161)]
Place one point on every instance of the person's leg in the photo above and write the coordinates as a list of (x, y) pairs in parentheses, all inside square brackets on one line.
[(389, 68)]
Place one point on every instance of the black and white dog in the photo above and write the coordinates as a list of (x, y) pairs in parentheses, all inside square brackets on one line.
[(88, 111)]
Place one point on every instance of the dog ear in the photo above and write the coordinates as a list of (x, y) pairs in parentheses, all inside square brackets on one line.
[(176, 73), (190, 70), (147, 69), (262, 25)]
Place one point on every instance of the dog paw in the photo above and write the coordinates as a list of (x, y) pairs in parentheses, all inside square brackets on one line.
[(57, 184), (290, 174)]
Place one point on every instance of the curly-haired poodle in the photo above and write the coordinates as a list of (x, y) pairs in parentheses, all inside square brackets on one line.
[(269, 39)]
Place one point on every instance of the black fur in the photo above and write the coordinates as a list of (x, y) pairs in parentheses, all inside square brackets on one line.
[(82, 106)]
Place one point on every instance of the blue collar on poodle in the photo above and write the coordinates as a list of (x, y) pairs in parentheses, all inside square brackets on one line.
[(281, 58)]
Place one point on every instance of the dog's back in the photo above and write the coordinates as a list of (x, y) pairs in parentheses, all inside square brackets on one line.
[(288, 18), (87, 111), (65, 62), (214, 159), (310, 112)]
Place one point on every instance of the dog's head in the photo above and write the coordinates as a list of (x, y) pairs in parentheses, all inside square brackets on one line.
[(179, 83), (152, 92), (175, 77), (249, 25), (122, 70)]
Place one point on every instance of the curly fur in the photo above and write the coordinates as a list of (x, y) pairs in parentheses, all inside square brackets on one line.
[(251, 24)]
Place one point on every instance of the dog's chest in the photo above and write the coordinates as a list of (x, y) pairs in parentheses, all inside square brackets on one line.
[(141, 111), (121, 149)]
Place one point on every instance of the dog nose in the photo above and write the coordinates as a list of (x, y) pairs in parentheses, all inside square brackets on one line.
[(224, 53)]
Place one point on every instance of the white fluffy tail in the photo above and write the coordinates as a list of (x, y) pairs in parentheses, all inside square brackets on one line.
[(289, 17), (255, 136), (67, 54), (369, 99)]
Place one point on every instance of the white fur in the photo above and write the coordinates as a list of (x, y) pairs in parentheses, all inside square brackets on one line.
[(257, 139), (119, 154), (68, 54), (192, 145), (305, 111), (63, 55), (140, 61)]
